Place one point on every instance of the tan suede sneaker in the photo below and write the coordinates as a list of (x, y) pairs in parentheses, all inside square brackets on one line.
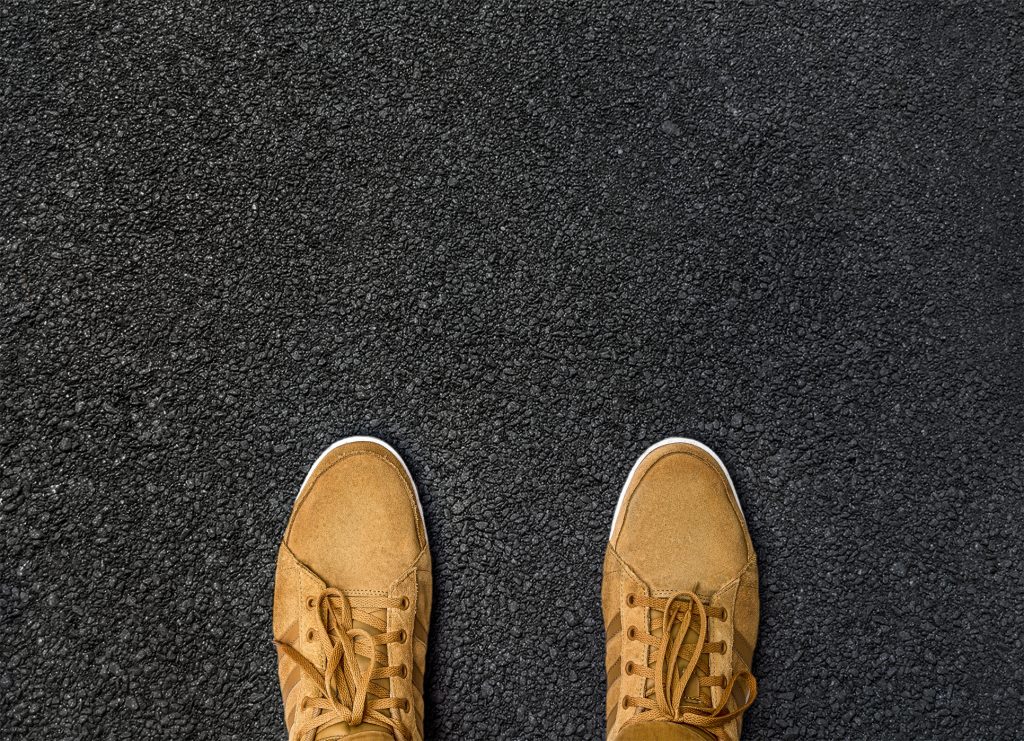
[(352, 599), (680, 601)]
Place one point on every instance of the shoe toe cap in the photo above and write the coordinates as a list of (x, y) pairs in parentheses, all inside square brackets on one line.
[(356, 522), (680, 526)]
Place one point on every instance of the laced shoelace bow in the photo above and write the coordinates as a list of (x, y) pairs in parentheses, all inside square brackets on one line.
[(345, 691), (676, 619)]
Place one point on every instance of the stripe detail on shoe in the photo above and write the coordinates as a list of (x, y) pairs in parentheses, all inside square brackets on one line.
[(740, 645), (611, 708), (613, 673), (614, 627)]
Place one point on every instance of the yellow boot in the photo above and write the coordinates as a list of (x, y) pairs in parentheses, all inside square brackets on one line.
[(352, 599), (680, 601)]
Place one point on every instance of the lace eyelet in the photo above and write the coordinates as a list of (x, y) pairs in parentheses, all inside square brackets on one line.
[(630, 600), (310, 635), (405, 604), (403, 635), (625, 703), (631, 633), (723, 614), (404, 673), (406, 705), (310, 603), (629, 668)]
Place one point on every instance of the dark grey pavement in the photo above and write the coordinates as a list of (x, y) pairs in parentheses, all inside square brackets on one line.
[(519, 243)]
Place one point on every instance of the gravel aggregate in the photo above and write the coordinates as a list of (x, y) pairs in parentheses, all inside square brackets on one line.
[(520, 242)]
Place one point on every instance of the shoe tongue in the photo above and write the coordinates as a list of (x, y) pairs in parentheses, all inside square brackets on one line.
[(361, 732), (658, 731), (693, 688)]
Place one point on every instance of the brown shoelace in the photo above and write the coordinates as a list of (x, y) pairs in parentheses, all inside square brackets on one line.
[(676, 618), (346, 691)]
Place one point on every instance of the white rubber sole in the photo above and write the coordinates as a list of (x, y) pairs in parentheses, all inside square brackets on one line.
[(659, 444), (378, 441)]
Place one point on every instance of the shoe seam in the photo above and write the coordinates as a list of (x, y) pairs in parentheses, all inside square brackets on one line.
[(298, 562), (414, 567), (624, 566)]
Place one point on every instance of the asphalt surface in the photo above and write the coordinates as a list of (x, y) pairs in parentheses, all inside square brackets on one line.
[(520, 243)]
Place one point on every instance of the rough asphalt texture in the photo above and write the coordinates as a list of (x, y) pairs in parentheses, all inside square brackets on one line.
[(521, 243)]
